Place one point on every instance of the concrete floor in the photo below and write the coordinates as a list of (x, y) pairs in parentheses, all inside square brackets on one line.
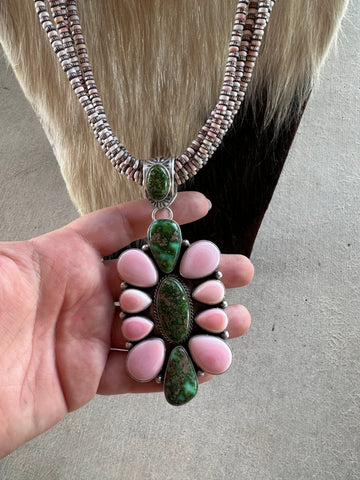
[(289, 408)]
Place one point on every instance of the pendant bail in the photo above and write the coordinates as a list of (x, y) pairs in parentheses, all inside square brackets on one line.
[(159, 181)]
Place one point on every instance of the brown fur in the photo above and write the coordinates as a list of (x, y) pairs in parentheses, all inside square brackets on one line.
[(158, 65)]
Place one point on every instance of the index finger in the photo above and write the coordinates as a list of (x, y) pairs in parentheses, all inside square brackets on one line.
[(113, 228)]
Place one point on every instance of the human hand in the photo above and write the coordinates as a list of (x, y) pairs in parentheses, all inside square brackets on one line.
[(58, 320)]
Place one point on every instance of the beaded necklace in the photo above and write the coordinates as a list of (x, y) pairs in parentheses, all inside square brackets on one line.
[(172, 303)]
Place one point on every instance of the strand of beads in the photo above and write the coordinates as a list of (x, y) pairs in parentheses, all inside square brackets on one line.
[(66, 38), (251, 19)]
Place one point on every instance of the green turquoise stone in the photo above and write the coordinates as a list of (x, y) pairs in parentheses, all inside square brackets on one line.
[(164, 238), (157, 182), (180, 383), (173, 309)]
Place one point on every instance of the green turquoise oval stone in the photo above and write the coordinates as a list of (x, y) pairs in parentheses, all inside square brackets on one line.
[(157, 182), (164, 238), (180, 382), (173, 309)]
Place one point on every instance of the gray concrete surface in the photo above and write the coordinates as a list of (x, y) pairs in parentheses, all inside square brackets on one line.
[(289, 409)]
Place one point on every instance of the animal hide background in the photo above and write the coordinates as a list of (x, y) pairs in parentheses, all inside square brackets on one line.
[(159, 66)]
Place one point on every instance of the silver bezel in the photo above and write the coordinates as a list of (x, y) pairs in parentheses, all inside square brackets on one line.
[(169, 164)]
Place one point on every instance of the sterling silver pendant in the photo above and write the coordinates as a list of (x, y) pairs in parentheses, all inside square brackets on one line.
[(172, 301)]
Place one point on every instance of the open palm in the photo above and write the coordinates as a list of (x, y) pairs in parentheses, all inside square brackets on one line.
[(58, 321)]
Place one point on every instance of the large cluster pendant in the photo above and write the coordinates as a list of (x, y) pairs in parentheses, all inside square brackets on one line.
[(172, 301)]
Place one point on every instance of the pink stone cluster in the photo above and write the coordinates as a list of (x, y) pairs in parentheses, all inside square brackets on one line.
[(145, 360)]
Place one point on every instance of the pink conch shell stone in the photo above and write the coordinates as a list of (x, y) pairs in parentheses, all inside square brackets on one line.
[(145, 360), (213, 320), (210, 292), (134, 301), (211, 354), (136, 268), (200, 260), (136, 328)]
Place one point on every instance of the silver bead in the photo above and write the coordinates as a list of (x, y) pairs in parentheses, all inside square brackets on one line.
[(225, 335)]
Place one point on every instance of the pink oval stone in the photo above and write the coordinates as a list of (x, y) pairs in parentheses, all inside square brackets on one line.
[(210, 292), (211, 354), (136, 328), (213, 320), (145, 360), (134, 301), (135, 267), (200, 260)]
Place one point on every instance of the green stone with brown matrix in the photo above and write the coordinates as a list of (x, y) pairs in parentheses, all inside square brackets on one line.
[(164, 238), (173, 309), (157, 182), (180, 382)]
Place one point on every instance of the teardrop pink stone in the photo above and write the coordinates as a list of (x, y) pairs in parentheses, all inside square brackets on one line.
[(200, 260), (145, 360), (213, 320), (136, 268), (136, 328), (210, 292), (134, 301), (211, 354)]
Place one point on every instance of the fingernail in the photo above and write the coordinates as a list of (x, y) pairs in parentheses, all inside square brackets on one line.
[(210, 204)]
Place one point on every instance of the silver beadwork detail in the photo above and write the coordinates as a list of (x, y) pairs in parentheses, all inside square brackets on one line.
[(225, 335), (67, 40)]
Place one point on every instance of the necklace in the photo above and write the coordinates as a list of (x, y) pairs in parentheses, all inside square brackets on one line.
[(172, 301)]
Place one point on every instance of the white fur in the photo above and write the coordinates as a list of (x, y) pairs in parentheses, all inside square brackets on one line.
[(159, 66)]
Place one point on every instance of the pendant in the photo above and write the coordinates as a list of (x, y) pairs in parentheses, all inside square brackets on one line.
[(172, 301)]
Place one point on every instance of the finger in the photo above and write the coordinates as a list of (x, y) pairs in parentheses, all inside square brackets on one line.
[(113, 228), (115, 379), (239, 323), (237, 270), (239, 320)]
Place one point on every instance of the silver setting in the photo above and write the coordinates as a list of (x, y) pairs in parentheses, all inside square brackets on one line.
[(123, 285), (218, 275), (224, 304), (122, 315), (186, 243), (128, 345), (167, 209), (169, 164), (225, 335), (145, 247), (200, 374), (158, 379)]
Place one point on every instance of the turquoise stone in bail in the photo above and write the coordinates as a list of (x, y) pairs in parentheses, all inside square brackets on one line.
[(164, 238), (158, 182), (180, 383), (173, 309)]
